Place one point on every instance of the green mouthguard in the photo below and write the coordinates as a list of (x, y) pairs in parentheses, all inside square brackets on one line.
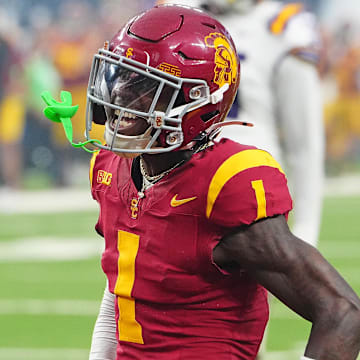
[(62, 112)]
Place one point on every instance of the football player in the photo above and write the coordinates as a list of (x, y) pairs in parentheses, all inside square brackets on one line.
[(280, 94), (195, 229)]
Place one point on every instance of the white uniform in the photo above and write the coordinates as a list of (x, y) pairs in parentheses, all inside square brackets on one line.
[(262, 53), (280, 94)]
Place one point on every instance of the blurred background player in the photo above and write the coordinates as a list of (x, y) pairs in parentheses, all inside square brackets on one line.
[(12, 109), (343, 110), (278, 46)]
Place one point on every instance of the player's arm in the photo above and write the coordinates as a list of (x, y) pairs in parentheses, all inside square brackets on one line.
[(300, 112), (299, 276), (103, 344)]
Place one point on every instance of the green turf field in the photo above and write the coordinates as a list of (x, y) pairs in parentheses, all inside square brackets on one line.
[(52, 283)]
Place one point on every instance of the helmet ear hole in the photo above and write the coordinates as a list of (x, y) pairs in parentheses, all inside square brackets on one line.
[(209, 116), (99, 115)]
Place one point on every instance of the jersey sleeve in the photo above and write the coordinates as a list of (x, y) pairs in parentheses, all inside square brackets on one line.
[(248, 186)]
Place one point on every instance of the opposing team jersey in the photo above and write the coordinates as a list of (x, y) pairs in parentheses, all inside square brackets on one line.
[(172, 300), (263, 37)]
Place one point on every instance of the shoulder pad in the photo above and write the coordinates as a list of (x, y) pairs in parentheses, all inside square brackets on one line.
[(299, 32), (246, 187), (279, 22)]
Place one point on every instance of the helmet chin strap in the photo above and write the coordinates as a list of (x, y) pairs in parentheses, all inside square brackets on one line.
[(213, 130), (213, 98)]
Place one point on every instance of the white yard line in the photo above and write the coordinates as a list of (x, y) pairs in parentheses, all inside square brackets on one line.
[(49, 307), (345, 185), (50, 249), (45, 201), (43, 354)]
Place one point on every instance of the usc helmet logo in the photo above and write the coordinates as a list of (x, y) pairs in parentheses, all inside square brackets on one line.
[(129, 52), (225, 59)]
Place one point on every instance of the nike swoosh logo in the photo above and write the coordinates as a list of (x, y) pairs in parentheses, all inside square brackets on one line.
[(175, 202)]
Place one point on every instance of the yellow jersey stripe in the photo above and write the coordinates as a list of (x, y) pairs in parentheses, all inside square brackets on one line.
[(258, 187), (128, 247), (234, 165), (91, 169), (277, 26)]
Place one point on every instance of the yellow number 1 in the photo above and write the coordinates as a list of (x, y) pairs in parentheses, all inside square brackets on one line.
[(129, 329), (258, 187)]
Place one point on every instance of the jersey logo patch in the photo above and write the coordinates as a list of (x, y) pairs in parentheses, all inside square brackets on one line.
[(104, 177), (225, 59), (175, 202)]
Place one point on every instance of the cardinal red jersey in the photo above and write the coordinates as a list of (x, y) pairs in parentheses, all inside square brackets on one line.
[(173, 302)]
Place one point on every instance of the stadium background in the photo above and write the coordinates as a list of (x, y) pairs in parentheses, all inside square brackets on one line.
[(50, 277)]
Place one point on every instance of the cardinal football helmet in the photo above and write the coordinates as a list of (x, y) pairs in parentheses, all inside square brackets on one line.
[(170, 73)]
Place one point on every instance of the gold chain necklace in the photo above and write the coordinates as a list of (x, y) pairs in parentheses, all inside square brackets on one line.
[(154, 178), (149, 180)]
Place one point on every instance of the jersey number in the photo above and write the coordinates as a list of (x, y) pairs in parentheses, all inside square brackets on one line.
[(128, 246), (129, 329), (258, 187)]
